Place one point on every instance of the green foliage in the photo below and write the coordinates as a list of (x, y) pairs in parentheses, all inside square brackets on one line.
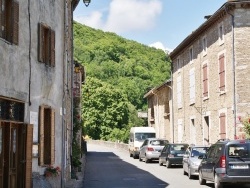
[(119, 73), (76, 149), (104, 108), (246, 124)]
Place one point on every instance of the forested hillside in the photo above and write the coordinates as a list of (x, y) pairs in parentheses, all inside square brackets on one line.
[(119, 72)]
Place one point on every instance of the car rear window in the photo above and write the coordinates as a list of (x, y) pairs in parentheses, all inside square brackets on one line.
[(197, 151), (242, 150), (179, 147), (158, 142)]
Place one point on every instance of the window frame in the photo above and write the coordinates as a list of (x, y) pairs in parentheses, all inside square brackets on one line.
[(191, 54), (46, 45), (221, 34), (192, 86), (179, 92), (9, 21), (42, 136), (204, 45), (222, 73), (205, 80)]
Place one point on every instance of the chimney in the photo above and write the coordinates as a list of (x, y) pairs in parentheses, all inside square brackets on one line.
[(207, 17)]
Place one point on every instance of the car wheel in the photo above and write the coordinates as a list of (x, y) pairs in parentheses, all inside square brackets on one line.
[(147, 160), (184, 172), (130, 154), (201, 180), (168, 165), (160, 163), (140, 159), (189, 174), (217, 183), (134, 156)]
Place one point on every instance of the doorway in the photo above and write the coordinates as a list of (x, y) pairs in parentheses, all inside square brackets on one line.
[(14, 154), (206, 130)]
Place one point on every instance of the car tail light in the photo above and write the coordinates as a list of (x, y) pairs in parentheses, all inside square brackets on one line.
[(170, 156), (150, 149), (223, 161)]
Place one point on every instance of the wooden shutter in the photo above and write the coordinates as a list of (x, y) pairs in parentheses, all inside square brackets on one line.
[(40, 42), (192, 85), (179, 92), (29, 144), (52, 48), (222, 72), (205, 81), (52, 136), (15, 27), (41, 135), (223, 125)]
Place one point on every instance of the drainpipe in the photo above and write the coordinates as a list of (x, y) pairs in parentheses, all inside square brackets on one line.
[(172, 100), (233, 71), (63, 105)]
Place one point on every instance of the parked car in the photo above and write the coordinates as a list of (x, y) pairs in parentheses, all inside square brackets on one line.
[(226, 162), (191, 160), (151, 148), (172, 154)]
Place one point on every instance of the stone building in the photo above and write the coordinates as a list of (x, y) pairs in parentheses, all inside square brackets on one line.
[(211, 81), (36, 66), (159, 110)]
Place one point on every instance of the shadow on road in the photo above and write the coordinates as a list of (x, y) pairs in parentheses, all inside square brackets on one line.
[(107, 170)]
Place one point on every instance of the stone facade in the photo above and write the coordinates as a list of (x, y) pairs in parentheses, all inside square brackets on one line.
[(24, 78), (211, 82), (159, 110)]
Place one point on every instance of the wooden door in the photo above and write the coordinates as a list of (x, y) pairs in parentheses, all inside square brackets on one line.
[(15, 155)]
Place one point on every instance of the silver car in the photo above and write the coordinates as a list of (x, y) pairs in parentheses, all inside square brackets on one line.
[(151, 149), (191, 160)]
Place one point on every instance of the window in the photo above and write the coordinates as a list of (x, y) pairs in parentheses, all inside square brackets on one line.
[(9, 18), (46, 136), (180, 130), (178, 65), (222, 125), (179, 92), (152, 113), (221, 34), (192, 131), (46, 46), (191, 55), (204, 46), (222, 73), (205, 81), (192, 86)]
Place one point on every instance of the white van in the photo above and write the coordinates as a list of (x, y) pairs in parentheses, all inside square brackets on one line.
[(136, 138)]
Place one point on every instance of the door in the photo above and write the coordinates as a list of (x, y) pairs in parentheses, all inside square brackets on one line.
[(13, 139)]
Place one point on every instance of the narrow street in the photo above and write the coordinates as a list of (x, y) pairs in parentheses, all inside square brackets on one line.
[(112, 168)]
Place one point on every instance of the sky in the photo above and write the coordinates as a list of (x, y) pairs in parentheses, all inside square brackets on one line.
[(163, 24)]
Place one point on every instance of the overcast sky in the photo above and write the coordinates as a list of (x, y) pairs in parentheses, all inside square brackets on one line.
[(160, 23)]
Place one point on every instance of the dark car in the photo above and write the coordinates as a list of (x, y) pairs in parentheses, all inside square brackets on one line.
[(226, 162), (151, 148), (172, 154)]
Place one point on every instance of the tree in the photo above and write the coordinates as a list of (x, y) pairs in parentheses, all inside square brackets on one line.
[(104, 109), (246, 124)]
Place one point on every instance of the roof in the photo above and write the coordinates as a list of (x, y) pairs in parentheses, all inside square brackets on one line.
[(151, 92), (221, 12), (75, 3)]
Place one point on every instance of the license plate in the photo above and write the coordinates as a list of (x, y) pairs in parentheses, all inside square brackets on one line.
[(239, 167)]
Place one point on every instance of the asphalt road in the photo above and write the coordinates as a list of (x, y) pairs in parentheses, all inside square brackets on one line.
[(112, 168)]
